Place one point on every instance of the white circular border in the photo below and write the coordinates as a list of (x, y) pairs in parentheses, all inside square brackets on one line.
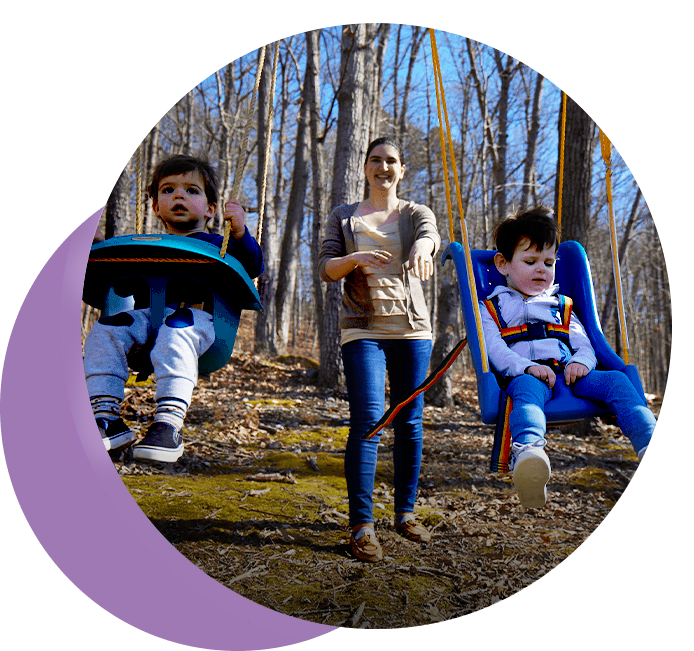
[(573, 84)]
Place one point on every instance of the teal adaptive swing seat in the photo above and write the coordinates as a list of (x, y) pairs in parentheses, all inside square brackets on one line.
[(144, 265), (574, 279)]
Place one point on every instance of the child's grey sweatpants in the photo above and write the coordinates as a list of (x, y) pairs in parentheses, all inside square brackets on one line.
[(174, 355)]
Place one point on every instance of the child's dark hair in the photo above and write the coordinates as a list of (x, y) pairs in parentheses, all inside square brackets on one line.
[(536, 224), (181, 164), (383, 140)]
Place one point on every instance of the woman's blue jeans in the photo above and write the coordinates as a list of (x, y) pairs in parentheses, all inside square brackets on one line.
[(610, 388), (366, 362)]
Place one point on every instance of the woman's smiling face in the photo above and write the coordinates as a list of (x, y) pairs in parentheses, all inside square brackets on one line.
[(383, 168), (530, 270)]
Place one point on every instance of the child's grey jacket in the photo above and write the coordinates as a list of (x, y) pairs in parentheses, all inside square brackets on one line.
[(511, 361)]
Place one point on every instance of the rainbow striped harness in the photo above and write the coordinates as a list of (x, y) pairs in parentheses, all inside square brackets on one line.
[(533, 331), (501, 449)]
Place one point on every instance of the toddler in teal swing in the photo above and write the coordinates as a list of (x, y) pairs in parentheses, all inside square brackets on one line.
[(553, 348), (184, 196)]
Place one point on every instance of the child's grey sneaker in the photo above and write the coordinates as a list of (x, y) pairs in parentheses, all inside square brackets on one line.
[(163, 442), (641, 452), (531, 472), (114, 433)]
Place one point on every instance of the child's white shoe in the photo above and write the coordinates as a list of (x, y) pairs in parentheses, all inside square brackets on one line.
[(531, 472)]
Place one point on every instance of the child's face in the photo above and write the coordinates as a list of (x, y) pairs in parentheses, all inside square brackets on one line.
[(530, 271), (181, 203)]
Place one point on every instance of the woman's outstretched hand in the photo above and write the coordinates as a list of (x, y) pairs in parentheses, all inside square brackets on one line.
[(421, 261)]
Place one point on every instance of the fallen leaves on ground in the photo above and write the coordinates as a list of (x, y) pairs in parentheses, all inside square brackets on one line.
[(292, 555)]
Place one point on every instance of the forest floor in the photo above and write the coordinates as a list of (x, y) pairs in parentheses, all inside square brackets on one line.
[(258, 500)]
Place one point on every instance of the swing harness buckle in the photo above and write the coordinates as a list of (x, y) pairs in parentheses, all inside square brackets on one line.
[(535, 331)]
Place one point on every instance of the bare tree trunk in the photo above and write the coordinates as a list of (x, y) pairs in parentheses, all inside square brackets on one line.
[(354, 107), (441, 394), (499, 169), (576, 197), (265, 322), (187, 142), (533, 131), (277, 209), (578, 168), (151, 163), (377, 80), (663, 330), (624, 243), (319, 204), (286, 275), (489, 146), (418, 34), (117, 208), (225, 93)]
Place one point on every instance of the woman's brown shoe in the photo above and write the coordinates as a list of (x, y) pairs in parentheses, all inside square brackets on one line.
[(412, 530), (366, 548)]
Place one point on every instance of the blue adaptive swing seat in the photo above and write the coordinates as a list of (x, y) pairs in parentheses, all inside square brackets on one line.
[(574, 279), (144, 265)]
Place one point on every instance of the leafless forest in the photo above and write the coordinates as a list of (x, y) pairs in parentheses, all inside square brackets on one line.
[(337, 88)]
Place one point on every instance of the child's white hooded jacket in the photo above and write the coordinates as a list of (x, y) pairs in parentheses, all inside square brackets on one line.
[(511, 361)]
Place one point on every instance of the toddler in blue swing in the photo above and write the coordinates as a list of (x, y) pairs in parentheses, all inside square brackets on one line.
[(184, 196), (526, 244)]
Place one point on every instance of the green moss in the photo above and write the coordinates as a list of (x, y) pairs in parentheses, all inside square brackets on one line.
[(229, 495), (270, 402), (595, 478), (335, 437), (290, 360), (429, 518)]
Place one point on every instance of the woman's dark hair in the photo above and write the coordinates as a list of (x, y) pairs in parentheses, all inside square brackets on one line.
[(383, 140), (181, 164), (536, 224)]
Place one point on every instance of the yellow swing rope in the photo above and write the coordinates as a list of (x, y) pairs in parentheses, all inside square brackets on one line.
[(246, 133), (562, 146), (441, 104), (606, 147)]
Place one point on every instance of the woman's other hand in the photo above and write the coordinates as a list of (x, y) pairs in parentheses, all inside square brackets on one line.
[(377, 259), (338, 268)]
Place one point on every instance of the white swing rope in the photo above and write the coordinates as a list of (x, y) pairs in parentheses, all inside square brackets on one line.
[(246, 133)]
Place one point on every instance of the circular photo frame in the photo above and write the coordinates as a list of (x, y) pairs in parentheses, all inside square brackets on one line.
[(83, 516)]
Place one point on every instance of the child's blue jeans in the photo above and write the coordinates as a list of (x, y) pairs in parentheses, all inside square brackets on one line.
[(611, 388), (366, 362)]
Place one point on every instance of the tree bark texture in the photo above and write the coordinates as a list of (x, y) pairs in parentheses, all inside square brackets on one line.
[(578, 170), (354, 109)]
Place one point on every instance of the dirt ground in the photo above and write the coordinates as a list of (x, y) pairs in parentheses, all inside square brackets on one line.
[(258, 500)]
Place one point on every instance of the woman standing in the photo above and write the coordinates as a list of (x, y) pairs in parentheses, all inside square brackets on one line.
[(383, 247)]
